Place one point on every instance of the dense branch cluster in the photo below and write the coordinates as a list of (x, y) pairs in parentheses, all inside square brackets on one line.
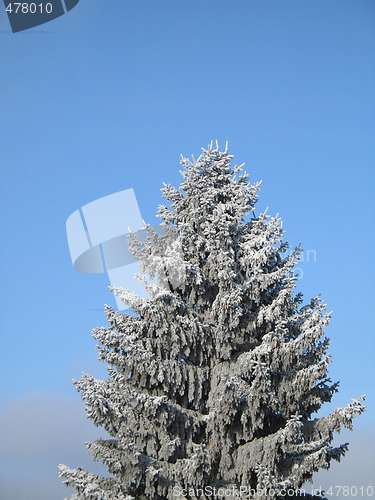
[(213, 381)]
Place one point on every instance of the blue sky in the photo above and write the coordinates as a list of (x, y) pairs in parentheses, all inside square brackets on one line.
[(106, 98)]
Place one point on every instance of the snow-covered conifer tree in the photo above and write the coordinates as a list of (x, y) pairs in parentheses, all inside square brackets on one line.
[(214, 380)]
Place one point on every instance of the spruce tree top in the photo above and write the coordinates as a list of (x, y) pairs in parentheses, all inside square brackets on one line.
[(213, 382)]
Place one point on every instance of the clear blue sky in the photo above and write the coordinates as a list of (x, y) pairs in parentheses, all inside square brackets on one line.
[(106, 98)]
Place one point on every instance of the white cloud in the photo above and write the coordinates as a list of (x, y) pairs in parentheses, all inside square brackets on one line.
[(39, 431), (356, 469)]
